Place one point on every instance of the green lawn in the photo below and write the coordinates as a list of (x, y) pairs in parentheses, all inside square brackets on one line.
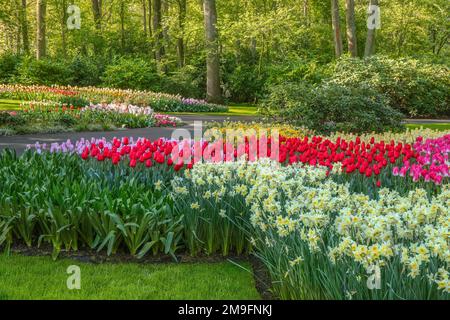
[(233, 110), (9, 104), (433, 126), (23, 277)]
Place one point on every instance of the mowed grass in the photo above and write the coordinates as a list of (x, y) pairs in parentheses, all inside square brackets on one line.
[(24, 277), (233, 110), (433, 126), (243, 109), (9, 104)]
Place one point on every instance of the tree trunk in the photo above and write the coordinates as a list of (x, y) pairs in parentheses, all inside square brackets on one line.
[(157, 31), (165, 13), (64, 26), (306, 11), (351, 28), (150, 21), (370, 41), (41, 45), (97, 14), (144, 16), (253, 49), (24, 27), (335, 17), (180, 43), (213, 91), (122, 25)]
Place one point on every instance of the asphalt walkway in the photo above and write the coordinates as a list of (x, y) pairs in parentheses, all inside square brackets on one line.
[(20, 142)]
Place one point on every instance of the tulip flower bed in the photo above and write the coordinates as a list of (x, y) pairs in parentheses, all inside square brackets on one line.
[(157, 101), (323, 214), (51, 118), (371, 163)]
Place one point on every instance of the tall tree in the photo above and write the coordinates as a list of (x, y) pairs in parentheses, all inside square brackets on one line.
[(64, 16), (370, 40), (24, 26), (335, 17), (122, 14), (213, 91), (144, 16), (157, 32), (165, 27), (150, 21), (97, 14), (182, 7), (351, 28), (41, 41), (306, 11)]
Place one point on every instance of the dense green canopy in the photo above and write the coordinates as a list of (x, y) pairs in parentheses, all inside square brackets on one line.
[(259, 41)]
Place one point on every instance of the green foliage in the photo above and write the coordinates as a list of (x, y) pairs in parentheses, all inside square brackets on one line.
[(135, 73), (244, 83), (85, 71), (415, 88), (262, 43), (329, 108), (45, 72), (8, 67), (187, 81), (69, 206), (7, 119), (77, 102), (298, 70)]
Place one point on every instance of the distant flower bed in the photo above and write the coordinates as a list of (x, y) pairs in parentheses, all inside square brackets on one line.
[(160, 102), (45, 117)]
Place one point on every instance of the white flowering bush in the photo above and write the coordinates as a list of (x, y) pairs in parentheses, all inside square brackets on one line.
[(318, 239)]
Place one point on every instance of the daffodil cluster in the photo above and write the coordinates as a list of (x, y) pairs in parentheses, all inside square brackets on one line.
[(320, 240)]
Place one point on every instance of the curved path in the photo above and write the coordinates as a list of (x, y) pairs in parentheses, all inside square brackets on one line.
[(20, 142)]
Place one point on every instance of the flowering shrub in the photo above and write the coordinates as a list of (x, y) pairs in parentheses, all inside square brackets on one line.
[(415, 88), (328, 108), (158, 101)]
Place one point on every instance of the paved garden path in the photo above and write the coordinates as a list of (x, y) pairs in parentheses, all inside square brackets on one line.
[(20, 142)]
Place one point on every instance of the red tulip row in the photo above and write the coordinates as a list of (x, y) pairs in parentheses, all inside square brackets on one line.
[(354, 156), (366, 158)]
